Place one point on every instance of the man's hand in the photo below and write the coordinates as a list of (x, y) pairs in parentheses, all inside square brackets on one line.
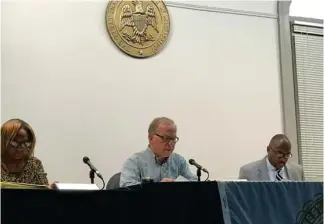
[(167, 180)]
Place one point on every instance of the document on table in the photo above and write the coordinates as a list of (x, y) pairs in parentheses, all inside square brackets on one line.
[(180, 179)]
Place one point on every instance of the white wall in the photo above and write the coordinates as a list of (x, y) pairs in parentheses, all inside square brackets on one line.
[(256, 6), (310, 8), (218, 78)]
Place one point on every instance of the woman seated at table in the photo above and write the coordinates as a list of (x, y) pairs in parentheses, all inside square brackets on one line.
[(18, 163)]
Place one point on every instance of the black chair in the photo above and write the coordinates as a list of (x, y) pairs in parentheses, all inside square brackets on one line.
[(113, 182)]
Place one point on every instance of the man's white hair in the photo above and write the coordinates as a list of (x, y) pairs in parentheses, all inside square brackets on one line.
[(155, 123)]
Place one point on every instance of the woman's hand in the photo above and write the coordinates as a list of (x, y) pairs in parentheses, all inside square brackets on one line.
[(52, 185)]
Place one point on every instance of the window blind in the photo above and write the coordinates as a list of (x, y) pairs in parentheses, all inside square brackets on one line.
[(307, 43)]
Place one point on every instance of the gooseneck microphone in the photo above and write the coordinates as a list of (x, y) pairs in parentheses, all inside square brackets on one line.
[(193, 162), (93, 170)]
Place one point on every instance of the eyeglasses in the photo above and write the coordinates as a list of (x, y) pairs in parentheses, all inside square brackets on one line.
[(24, 145), (281, 155), (168, 139)]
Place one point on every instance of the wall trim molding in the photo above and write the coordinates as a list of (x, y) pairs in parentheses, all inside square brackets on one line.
[(220, 10), (287, 78)]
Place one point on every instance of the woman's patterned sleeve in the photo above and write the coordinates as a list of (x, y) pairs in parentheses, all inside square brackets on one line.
[(40, 176)]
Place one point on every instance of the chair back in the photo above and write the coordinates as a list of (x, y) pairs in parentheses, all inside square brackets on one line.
[(113, 182)]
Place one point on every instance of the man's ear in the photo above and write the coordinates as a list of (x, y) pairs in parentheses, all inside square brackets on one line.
[(150, 137), (268, 149)]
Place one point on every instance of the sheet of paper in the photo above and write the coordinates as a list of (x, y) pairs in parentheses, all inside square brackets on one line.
[(180, 179), (231, 180)]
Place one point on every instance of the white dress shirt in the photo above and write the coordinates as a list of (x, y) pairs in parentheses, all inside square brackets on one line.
[(272, 171)]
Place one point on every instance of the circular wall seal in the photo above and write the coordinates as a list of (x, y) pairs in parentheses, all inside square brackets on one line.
[(138, 28)]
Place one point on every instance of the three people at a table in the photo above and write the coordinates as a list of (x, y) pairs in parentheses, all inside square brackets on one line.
[(158, 161)]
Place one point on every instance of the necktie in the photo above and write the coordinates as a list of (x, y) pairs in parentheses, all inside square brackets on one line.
[(278, 175)]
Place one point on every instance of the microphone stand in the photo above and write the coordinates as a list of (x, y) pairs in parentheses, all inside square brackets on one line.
[(199, 174), (92, 176)]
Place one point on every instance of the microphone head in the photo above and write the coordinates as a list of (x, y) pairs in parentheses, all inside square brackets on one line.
[(191, 161), (86, 159)]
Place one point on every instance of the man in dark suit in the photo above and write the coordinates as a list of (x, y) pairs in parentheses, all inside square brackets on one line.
[(275, 166)]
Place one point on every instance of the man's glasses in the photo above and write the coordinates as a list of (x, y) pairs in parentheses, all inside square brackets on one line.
[(23, 145), (281, 155), (168, 139)]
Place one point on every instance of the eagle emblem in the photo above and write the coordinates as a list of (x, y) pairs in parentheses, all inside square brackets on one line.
[(139, 20), (139, 28)]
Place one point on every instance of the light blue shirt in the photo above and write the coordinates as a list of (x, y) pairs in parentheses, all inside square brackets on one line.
[(145, 164), (272, 171)]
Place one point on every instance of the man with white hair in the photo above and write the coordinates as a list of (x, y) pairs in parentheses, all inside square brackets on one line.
[(158, 161)]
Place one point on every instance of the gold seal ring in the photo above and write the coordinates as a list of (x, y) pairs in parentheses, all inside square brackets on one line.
[(138, 28)]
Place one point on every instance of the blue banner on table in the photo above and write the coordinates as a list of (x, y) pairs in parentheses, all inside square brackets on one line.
[(272, 202)]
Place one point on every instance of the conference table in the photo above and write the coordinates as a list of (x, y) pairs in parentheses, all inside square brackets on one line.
[(214, 202)]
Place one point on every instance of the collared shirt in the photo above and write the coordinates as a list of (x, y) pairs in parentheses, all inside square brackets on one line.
[(145, 165), (272, 171)]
